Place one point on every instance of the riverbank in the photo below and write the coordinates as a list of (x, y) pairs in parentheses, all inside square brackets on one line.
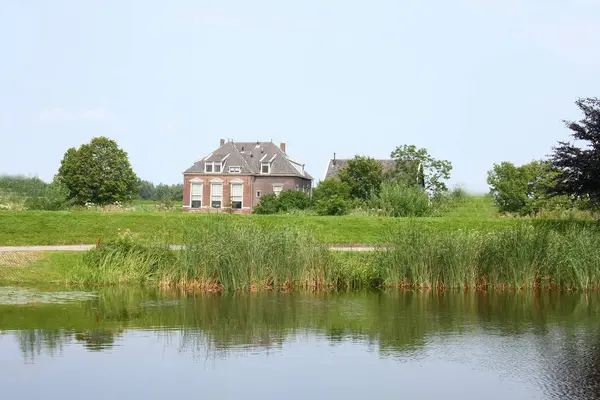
[(21, 228), (228, 254)]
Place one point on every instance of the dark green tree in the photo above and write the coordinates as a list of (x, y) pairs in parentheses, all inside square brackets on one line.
[(98, 172), (579, 168), (364, 176), (415, 166)]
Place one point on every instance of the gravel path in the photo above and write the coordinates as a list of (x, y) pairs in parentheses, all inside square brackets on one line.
[(86, 247)]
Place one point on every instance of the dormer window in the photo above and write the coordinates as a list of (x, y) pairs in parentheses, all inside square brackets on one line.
[(212, 166), (235, 170), (265, 168)]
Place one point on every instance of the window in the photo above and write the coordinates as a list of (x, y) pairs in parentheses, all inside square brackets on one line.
[(196, 194), (277, 189), (258, 193), (212, 166), (235, 170), (265, 168), (237, 195), (216, 195)]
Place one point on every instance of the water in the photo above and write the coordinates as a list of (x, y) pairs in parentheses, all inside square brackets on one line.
[(147, 344)]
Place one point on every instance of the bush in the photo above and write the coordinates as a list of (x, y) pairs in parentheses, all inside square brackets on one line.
[(268, 204), (332, 206), (53, 197), (289, 200), (400, 200)]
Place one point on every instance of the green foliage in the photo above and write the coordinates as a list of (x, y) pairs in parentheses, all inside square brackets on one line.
[(98, 172), (329, 188), (364, 176), (52, 198), (523, 189), (334, 205), (289, 200), (400, 200), (268, 204), (432, 174), (21, 185), (579, 168)]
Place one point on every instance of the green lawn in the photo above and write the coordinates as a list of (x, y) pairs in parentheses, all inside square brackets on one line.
[(84, 227)]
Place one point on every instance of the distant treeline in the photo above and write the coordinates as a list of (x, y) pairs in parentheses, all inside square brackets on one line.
[(21, 186), (161, 192)]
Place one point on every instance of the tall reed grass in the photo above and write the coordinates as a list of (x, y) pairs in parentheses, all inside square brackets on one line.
[(523, 256), (224, 254)]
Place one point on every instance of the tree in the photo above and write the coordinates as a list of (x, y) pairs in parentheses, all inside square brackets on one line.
[(331, 187), (364, 176), (523, 189), (97, 172), (431, 176), (146, 190), (579, 168)]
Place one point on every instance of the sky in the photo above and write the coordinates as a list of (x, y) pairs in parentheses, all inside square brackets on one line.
[(475, 82)]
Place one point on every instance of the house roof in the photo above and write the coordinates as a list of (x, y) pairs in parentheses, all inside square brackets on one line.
[(249, 156), (336, 165)]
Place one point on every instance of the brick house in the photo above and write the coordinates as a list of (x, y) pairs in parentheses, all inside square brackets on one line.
[(235, 176)]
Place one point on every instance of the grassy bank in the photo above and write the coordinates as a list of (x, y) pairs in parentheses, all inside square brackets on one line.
[(39, 228), (225, 254)]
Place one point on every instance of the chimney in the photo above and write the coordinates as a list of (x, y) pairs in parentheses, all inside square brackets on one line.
[(222, 142), (282, 147), (333, 159)]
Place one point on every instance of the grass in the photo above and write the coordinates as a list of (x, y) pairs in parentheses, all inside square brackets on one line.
[(68, 227), (228, 254)]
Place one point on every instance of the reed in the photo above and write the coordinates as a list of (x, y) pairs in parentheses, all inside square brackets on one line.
[(550, 256), (225, 254)]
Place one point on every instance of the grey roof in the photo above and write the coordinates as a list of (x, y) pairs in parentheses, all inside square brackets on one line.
[(248, 156), (335, 166)]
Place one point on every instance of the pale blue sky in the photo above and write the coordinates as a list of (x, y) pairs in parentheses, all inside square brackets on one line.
[(473, 81)]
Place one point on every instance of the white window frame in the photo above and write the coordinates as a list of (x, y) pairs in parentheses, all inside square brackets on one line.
[(258, 193), (213, 164), (213, 183), (268, 165), (233, 183), (277, 185), (234, 169), (200, 183)]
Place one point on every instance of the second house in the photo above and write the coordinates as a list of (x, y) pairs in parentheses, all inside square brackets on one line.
[(237, 174)]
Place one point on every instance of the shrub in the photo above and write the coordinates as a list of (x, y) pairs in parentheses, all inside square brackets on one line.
[(53, 197), (332, 206), (400, 200), (268, 204), (289, 200)]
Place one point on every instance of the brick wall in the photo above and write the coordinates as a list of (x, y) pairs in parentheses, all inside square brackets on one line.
[(264, 184), (252, 185), (226, 182)]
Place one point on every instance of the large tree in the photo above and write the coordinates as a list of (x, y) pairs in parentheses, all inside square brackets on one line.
[(522, 189), (432, 176), (97, 172), (363, 175), (579, 168)]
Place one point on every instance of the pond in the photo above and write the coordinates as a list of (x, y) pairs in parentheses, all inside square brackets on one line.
[(151, 344)]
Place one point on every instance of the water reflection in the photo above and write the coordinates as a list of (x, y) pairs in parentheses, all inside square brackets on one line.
[(550, 341)]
